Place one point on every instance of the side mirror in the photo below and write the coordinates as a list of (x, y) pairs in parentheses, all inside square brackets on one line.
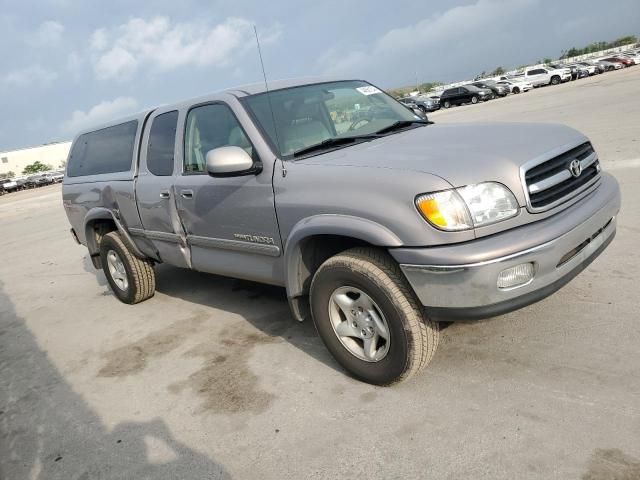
[(231, 161), (419, 113)]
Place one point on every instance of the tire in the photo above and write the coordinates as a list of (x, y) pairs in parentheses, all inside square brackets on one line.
[(139, 274), (412, 337), (446, 104), (422, 108), (555, 80), (474, 99), (516, 90)]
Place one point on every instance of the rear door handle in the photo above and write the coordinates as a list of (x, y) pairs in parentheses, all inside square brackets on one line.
[(164, 194), (187, 193)]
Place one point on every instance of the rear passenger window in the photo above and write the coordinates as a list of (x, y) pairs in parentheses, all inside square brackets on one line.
[(162, 138), (209, 127), (108, 150)]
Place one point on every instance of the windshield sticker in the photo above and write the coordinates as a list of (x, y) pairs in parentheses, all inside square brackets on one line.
[(368, 90)]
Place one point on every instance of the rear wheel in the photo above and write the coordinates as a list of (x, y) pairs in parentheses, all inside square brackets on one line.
[(369, 319), (131, 279), (516, 90)]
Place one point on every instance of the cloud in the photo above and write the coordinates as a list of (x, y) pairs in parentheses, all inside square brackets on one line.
[(49, 33), (117, 62), (28, 76), (161, 45), (102, 112), (99, 39), (438, 35), (74, 65)]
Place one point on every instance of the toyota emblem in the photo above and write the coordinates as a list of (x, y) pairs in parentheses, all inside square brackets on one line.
[(575, 167)]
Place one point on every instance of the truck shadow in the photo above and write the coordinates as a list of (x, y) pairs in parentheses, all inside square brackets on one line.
[(47, 431), (248, 300)]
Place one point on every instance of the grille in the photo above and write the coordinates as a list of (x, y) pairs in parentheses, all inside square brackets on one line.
[(552, 182)]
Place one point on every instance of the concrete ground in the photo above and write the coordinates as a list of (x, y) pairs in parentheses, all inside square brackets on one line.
[(212, 378)]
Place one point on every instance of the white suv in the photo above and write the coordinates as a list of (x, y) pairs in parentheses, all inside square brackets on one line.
[(547, 76), (516, 86)]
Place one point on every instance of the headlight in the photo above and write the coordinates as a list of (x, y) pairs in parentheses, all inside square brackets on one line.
[(467, 207)]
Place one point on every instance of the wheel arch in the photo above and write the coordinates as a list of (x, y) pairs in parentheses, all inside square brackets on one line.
[(97, 222), (315, 239)]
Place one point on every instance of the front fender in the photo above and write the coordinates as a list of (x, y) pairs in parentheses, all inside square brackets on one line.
[(329, 224)]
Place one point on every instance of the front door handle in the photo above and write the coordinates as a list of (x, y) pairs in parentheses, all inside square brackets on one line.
[(187, 193), (164, 194)]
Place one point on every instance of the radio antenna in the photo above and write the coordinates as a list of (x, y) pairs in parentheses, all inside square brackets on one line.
[(266, 86)]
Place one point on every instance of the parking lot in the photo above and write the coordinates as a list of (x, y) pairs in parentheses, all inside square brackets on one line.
[(212, 378)]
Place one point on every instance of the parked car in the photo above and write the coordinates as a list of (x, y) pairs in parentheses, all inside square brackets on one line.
[(38, 180), (57, 177), (21, 181), (424, 103), (573, 69), (610, 66), (516, 86), (624, 61), (590, 67), (497, 90), (580, 71), (465, 94), (634, 57), (547, 76), (8, 185), (376, 229)]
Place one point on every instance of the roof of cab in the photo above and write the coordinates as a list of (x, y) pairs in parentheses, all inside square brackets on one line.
[(238, 92)]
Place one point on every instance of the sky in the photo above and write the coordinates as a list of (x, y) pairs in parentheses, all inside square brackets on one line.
[(68, 64)]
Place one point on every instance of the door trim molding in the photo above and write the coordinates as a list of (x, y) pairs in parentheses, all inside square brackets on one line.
[(155, 235), (235, 245)]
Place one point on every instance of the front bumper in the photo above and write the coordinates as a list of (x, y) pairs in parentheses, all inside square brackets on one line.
[(460, 281)]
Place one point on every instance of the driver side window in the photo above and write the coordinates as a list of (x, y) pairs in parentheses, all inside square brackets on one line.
[(209, 127)]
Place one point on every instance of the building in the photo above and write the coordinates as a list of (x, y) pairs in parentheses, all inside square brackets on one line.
[(54, 154)]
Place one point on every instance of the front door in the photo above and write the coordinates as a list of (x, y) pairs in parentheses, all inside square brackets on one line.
[(230, 222), (463, 95)]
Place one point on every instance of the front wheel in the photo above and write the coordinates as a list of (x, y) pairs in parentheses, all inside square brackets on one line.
[(131, 279), (446, 104), (555, 80), (369, 318), (474, 99)]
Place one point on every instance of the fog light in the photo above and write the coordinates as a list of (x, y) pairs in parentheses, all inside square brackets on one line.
[(516, 276)]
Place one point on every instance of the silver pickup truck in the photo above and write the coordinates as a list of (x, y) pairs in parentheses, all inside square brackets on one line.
[(377, 222)]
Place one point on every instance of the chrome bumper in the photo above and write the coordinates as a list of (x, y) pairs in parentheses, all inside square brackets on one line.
[(557, 258)]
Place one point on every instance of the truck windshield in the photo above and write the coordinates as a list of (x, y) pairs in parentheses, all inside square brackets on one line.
[(317, 114)]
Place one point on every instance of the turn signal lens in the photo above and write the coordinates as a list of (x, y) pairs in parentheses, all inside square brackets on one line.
[(445, 210)]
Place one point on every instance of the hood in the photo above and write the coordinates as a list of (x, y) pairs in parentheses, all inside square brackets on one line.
[(461, 154)]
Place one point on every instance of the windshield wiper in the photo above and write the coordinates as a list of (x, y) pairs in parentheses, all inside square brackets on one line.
[(335, 142), (402, 124)]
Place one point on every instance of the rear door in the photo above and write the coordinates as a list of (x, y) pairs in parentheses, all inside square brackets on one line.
[(155, 192), (533, 76)]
